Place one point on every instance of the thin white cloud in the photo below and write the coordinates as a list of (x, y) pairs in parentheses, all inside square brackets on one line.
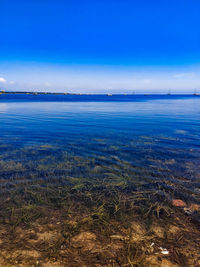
[(184, 75), (147, 81), (2, 80), (11, 82), (47, 84)]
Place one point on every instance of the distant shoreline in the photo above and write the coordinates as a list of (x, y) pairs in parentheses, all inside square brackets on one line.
[(103, 94)]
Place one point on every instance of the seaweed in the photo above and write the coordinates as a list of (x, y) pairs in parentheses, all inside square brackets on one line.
[(60, 207)]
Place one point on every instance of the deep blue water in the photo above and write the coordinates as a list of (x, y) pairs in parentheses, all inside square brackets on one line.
[(154, 133)]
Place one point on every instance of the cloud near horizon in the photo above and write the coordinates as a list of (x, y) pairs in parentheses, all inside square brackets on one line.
[(2, 80)]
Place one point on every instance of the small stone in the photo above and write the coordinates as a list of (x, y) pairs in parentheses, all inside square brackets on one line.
[(85, 240), (173, 229), (194, 207), (84, 236), (178, 203), (158, 231), (153, 261), (167, 263)]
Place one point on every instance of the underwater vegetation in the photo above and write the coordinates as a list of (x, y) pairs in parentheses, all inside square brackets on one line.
[(62, 207)]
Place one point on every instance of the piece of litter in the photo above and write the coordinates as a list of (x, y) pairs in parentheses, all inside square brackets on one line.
[(164, 251), (152, 244)]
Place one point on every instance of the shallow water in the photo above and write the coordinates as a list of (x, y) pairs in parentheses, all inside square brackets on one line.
[(147, 132), (89, 152)]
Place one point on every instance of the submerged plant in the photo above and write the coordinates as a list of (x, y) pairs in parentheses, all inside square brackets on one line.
[(125, 207)]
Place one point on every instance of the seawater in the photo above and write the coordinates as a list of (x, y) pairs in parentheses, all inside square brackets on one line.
[(112, 158)]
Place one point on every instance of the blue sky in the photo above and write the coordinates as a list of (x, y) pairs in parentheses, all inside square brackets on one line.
[(99, 46)]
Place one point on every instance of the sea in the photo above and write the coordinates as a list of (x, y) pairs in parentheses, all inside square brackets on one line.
[(59, 152)]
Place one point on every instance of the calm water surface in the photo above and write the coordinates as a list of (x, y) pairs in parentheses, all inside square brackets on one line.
[(95, 180), (150, 133)]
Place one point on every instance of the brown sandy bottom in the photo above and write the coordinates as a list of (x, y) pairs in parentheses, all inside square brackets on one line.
[(64, 210), (57, 240)]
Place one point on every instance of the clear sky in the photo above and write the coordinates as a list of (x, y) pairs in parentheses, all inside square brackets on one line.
[(99, 46)]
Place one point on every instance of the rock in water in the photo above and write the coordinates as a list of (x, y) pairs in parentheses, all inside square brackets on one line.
[(178, 203)]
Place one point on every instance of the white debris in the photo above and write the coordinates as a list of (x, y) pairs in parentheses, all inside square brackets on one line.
[(164, 251), (152, 244)]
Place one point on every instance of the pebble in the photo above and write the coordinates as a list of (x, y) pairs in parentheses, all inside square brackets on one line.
[(178, 203), (167, 263), (194, 207)]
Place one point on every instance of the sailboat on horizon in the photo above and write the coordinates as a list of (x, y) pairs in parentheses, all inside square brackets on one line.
[(195, 92), (169, 92)]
